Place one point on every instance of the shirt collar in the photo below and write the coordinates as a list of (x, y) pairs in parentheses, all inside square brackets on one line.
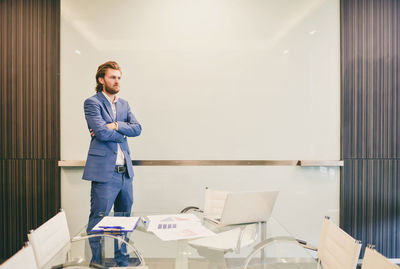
[(108, 98)]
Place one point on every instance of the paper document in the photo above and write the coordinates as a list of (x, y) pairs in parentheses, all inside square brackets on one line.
[(124, 224), (155, 220), (183, 231), (177, 227)]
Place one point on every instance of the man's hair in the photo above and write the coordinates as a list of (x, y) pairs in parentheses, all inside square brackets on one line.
[(101, 71)]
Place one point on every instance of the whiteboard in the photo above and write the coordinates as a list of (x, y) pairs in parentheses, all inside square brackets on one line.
[(209, 79)]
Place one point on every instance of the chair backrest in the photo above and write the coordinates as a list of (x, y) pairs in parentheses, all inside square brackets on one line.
[(337, 249), (214, 202), (24, 258), (373, 260), (50, 238)]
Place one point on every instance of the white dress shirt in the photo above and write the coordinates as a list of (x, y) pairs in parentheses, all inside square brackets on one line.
[(120, 155)]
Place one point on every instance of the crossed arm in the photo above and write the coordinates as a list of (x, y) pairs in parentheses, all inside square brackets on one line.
[(104, 131), (131, 127)]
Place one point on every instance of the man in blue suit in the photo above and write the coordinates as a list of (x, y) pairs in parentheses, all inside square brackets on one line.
[(109, 165)]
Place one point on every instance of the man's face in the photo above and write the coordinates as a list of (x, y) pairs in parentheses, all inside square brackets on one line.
[(111, 81)]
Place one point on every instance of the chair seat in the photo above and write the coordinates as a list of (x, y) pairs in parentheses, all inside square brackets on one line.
[(228, 240)]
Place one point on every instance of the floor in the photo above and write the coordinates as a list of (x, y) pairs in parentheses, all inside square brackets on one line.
[(230, 263)]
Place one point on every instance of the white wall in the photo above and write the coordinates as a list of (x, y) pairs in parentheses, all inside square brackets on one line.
[(211, 80)]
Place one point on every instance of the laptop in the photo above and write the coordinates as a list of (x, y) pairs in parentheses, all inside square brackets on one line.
[(244, 207)]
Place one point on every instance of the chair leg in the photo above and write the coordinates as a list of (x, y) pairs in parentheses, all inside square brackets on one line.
[(319, 264)]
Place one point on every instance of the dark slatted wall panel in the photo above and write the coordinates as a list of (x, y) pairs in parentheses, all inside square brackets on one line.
[(370, 45), (29, 118), (372, 202)]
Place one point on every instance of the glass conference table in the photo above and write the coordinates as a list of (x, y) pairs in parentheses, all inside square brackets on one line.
[(257, 245)]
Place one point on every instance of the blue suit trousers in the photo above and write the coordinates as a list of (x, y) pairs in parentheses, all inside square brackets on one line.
[(118, 192)]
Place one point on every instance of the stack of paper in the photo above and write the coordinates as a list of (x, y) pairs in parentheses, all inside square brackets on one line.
[(122, 224), (177, 227)]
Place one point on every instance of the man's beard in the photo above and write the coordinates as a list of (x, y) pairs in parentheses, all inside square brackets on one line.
[(111, 90)]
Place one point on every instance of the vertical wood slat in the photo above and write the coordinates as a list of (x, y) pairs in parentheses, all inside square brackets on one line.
[(369, 202), (370, 64), (30, 79), (29, 118), (371, 210), (31, 195)]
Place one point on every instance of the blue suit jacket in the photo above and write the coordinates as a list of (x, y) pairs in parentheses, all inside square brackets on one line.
[(100, 163)]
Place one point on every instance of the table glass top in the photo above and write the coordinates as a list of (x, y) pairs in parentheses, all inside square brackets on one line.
[(256, 245)]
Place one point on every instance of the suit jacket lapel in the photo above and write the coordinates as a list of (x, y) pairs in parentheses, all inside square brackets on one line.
[(106, 104)]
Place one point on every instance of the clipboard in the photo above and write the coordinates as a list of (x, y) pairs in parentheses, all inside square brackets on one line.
[(116, 224)]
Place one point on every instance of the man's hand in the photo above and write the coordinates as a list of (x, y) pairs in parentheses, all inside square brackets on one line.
[(112, 126)]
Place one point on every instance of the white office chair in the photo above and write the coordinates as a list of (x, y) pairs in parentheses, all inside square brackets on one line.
[(228, 241), (51, 244), (373, 260), (337, 249), (214, 202), (231, 240), (49, 239), (24, 258), (215, 247)]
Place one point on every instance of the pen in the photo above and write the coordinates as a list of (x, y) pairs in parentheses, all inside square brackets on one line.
[(111, 227), (114, 231)]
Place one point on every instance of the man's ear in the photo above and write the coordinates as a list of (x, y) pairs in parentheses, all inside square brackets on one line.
[(101, 80)]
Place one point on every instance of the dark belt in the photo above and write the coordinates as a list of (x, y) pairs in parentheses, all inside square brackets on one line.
[(120, 169)]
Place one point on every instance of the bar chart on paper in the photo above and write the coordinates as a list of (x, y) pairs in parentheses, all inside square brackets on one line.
[(176, 227)]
